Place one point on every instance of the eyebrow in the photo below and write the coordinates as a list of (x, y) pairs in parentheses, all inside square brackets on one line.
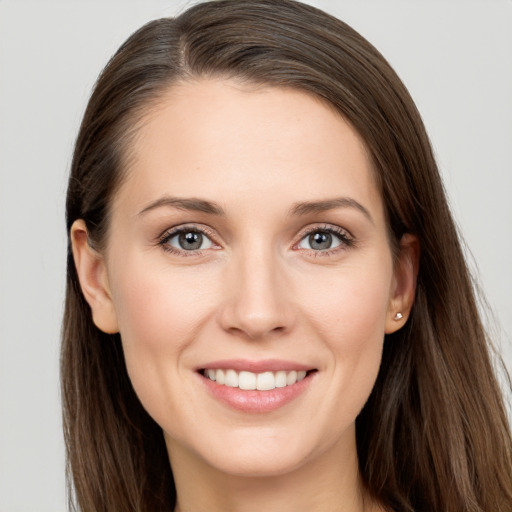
[(190, 204), (309, 207), (302, 208)]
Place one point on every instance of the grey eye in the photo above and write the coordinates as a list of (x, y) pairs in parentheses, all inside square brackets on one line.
[(190, 241), (320, 240)]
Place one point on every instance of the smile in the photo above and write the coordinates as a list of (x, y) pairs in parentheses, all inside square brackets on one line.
[(256, 387), (248, 381)]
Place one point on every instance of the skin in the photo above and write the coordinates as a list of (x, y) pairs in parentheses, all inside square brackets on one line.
[(258, 291)]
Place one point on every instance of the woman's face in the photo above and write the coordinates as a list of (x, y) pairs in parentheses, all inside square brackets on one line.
[(248, 244)]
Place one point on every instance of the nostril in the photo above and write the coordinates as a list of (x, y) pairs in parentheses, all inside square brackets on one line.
[(256, 330), (255, 311)]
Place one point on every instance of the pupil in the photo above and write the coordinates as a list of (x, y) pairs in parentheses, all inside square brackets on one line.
[(320, 241), (191, 240)]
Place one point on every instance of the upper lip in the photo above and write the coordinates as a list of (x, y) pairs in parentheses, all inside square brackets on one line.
[(265, 365)]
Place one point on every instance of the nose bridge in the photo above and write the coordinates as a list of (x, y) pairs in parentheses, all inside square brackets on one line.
[(256, 301)]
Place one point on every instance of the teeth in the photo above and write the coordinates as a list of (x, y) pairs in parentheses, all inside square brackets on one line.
[(291, 378), (266, 381), (231, 379), (280, 379), (219, 376), (249, 381)]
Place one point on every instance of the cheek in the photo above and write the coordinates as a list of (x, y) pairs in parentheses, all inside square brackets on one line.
[(350, 306), (350, 317), (159, 315), (157, 309)]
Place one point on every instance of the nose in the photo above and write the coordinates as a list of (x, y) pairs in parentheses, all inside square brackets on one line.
[(256, 295)]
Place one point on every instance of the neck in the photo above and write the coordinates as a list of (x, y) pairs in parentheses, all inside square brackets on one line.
[(330, 483)]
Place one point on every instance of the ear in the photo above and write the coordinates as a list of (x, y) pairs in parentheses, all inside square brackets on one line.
[(404, 283), (92, 274)]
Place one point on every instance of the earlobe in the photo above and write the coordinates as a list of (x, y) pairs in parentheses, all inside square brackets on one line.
[(92, 274), (404, 283)]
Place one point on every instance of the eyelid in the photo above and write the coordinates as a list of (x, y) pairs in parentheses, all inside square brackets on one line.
[(347, 239), (170, 233)]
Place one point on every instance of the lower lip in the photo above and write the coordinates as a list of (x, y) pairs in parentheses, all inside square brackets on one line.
[(257, 401)]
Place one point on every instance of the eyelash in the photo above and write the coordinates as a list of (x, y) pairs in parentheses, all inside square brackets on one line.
[(163, 240), (346, 239)]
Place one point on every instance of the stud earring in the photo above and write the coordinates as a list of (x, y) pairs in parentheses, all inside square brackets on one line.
[(398, 316)]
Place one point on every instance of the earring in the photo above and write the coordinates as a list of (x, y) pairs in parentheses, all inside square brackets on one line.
[(398, 316)]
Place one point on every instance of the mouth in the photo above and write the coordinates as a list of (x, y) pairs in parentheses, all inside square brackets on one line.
[(256, 387), (249, 381)]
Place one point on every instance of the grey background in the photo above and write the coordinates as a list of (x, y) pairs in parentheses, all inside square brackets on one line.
[(454, 56)]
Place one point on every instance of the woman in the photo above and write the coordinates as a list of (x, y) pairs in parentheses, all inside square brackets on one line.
[(267, 304)]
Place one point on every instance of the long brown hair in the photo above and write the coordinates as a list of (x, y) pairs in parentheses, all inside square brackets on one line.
[(433, 435)]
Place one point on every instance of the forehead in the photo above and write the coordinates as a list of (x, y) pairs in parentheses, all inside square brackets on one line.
[(222, 139)]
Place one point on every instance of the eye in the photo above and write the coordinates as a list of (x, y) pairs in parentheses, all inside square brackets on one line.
[(187, 240), (324, 239)]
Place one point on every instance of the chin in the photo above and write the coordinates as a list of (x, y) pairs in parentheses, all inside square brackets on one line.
[(260, 454), (254, 465)]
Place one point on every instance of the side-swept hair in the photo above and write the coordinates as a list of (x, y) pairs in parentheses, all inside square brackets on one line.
[(433, 435)]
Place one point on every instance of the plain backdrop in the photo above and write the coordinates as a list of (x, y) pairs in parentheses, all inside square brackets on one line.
[(454, 56)]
